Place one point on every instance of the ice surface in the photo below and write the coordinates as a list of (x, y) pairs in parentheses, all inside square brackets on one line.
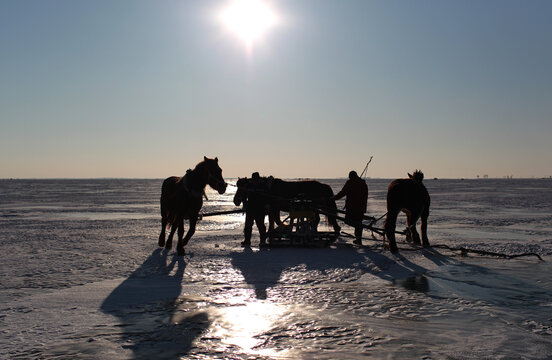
[(81, 276)]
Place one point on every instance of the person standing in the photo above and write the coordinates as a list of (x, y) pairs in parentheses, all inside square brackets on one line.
[(255, 209), (356, 191)]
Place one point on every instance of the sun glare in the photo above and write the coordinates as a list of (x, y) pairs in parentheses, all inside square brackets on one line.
[(249, 19)]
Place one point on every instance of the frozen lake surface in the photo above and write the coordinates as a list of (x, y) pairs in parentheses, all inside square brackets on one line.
[(81, 276)]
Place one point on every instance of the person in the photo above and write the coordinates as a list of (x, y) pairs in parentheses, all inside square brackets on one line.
[(255, 209), (356, 191)]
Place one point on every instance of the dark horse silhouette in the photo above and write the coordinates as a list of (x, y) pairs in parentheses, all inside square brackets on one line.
[(411, 197), (281, 192), (182, 198)]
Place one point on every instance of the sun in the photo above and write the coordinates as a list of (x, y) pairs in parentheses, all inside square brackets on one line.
[(248, 19)]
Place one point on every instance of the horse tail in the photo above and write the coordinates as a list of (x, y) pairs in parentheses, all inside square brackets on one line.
[(168, 192)]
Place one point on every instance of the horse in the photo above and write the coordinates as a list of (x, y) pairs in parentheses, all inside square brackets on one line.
[(410, 196), (182, 198), (280, 193)]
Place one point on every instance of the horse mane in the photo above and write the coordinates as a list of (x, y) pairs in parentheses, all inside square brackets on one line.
[(417, 176), (200, 166), (197, 174), (199, 170)]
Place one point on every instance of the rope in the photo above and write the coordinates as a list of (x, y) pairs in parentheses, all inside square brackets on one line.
[(381, 217), (463, 251)]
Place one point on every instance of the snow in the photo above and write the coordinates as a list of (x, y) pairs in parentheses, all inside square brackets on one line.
[(82, 277)]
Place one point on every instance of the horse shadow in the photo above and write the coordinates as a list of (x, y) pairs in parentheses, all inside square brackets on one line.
[(452, 277), (464, 277), (263, 269), (146, 304)]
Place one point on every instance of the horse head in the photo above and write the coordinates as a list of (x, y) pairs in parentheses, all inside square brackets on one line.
[(417, 176), (242, 189), (214, 175)]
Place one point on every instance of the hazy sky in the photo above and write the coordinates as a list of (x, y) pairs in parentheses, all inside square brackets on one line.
[(147, 88)]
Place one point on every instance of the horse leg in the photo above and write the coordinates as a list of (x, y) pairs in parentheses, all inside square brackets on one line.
[(411, 220), (277, 219), (270, 227), (271, 221), (247, 229), (335, 225), (259, 220), (331, 218), (191, 231), (423, 227), (389, 226), (189, 234), (162, 235), (168, 244), (180, 230), (316, 220)]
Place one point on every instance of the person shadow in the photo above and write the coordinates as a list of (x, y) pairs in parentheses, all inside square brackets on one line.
[(259, 269), (146, 304)]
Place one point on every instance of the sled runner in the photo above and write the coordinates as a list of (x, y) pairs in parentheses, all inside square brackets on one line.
[(299, 228)]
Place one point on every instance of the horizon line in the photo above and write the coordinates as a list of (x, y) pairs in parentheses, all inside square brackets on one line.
[(287, 178)]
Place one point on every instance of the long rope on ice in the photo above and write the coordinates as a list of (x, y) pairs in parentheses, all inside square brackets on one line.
[(463, 251)]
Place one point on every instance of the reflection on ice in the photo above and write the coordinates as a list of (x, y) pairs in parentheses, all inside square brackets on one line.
[(221, 222), (242, 326)]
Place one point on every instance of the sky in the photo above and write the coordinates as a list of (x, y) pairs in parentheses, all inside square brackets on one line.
[(145, 89)]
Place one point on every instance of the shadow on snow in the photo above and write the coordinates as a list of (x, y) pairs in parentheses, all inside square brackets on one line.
[(453, 277), (146, 304)]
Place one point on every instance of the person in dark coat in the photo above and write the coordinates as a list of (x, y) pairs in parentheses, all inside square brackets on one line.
[(255, 204), (356, 202)]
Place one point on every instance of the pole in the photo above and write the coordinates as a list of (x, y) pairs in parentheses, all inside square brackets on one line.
[(237, 211), (366, 167), (378, 231)]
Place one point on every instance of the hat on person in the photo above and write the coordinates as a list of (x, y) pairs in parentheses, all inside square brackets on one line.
[(255, 175), (353, 174)]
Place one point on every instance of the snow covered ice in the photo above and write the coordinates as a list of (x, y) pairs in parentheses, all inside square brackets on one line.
[(82, 277)]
